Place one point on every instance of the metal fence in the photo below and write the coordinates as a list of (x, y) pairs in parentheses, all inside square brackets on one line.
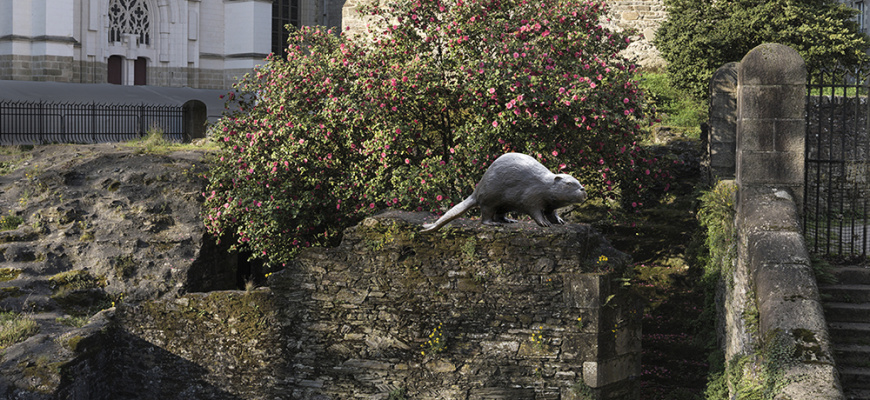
[(45, 122), (836, 219)]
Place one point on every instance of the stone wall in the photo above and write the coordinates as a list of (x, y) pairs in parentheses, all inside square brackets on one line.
[(36, 68), (521, 312), (643, 17), (771, 301)]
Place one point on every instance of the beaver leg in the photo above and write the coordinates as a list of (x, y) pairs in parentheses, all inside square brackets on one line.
[(554, 218), (488, 215), (538, 216), (504, 219)]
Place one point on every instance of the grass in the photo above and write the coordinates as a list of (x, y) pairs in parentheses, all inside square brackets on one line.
[(10, 222), (12, 157), (675, 108), (76, 280), (75, 322), (15, 327), (154, 143)]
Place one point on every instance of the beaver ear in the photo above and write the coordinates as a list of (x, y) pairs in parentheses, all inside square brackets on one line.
[(557, 178)]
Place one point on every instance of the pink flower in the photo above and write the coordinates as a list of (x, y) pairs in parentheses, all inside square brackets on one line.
[(491, 90), (495, 123), (439, 197)]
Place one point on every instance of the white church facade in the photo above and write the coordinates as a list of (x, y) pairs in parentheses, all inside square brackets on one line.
[(177, 43)]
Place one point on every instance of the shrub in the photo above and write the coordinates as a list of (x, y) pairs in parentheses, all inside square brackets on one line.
[(700, 36), (410, 114)]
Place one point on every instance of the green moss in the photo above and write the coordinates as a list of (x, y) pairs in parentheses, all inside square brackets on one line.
[(7, 292), (807, 347), (76, 280), (79, 293), (8, 274), (124, 266), (73, 343), (15, 328), (44, 375), (114, 186)]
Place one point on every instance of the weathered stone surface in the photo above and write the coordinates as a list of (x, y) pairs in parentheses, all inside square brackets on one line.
[(348, 320), (127, 223)]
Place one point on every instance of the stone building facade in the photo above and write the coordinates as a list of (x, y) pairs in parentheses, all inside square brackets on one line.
[(193, 43)]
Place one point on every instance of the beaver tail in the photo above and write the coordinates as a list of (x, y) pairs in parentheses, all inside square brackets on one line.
[(451, 214)]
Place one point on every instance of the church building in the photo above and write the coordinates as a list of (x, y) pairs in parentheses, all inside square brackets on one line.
[(177, 43)]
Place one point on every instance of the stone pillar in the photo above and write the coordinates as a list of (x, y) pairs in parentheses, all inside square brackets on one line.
[(771, 99), (721, 145)]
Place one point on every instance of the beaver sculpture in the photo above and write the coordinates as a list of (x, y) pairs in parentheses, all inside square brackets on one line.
[(517, 182)]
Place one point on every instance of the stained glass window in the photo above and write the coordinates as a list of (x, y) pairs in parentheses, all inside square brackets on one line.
[(129, 17)]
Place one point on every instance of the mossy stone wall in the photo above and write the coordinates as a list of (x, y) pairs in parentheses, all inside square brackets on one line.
[(521, 312)]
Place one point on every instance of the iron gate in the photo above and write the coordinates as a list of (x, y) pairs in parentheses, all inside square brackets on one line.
[(836, 191)]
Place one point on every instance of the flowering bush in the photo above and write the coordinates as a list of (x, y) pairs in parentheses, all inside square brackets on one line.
[(411, 113)]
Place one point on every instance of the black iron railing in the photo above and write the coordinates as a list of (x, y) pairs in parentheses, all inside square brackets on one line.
[(836, 209), (45, 122)]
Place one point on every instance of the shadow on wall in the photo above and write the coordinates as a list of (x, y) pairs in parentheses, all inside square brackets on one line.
[(120, 366)]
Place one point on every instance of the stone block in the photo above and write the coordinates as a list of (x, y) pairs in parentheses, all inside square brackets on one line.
[(723, 155), (772, 102), (498, 393), (790, 135), (812, 381), (789, 315), (724, 80), (603, 373), (630, 16), (770, 168), (586, 290), (772, 64), (763, 208), (785, 282), (756, 135)]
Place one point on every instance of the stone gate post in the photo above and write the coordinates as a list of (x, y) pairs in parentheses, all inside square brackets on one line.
[(771, 99), (723, 121)]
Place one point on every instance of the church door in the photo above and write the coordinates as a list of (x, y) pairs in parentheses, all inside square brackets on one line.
[(116, 69), (139, 73)]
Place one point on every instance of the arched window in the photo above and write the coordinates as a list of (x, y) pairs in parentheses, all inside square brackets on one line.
[(129, 17), (284, 12)]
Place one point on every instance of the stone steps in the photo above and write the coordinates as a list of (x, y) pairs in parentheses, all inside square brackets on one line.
[(857, 394), (847, 310), (846, 293), (849, 332), (855, 378), (852, 354)]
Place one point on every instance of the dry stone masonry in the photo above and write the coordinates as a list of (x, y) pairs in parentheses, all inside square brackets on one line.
[(471, 312)]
